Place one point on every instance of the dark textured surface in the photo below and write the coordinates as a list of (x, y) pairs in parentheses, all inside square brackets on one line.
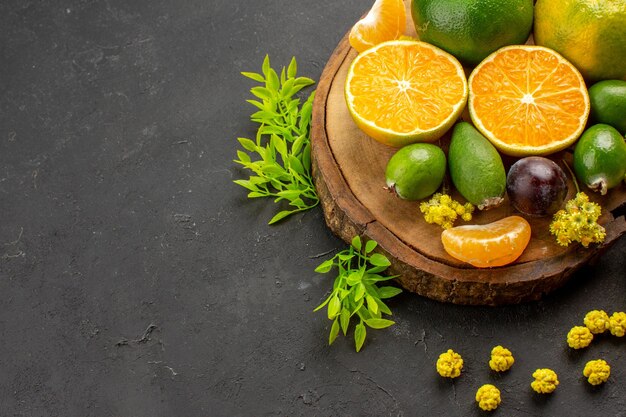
[(137, 280)]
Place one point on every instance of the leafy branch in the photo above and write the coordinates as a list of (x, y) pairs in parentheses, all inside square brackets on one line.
[(356, 290), (282, 150)]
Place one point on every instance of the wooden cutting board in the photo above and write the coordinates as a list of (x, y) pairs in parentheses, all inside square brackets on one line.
[(348, 168)]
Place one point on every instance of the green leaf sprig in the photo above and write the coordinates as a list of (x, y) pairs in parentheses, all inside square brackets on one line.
[(282, 149), (356, 290)]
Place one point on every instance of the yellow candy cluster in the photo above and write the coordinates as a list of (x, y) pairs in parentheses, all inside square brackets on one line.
[(441, 209), (578, 222), (488, 397), (617, 324), (501, 359), (449, 364), (545, 381), (597, 321), (597, 372), (579, 337)]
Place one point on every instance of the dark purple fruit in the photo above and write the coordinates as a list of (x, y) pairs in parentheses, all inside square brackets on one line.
[(536, 186)]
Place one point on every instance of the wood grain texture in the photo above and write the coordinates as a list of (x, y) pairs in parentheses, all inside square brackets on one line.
[(348, 168)]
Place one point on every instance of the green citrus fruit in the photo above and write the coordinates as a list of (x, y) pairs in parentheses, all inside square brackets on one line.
[(600, 158), (472, 29), (591, 34), (608, 103), (416, 171), (476, 167)]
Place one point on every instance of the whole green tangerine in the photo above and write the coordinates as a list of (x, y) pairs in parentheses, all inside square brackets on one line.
[(608, 103), (600, 158), (416, 171), (472, 29)]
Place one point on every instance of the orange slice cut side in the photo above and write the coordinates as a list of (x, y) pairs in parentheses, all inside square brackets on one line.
[(404, 91), (528, 100)]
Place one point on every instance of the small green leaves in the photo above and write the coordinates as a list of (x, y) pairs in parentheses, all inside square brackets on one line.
[(325, 266), (379, 260), (370, 246), (378, 323), (355, 290), (359, 336), (282, 167), (334, 331), (388, 292), (293, 68), (334, 307), (254, 76)]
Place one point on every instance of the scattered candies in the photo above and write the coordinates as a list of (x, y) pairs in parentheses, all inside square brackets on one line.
[(617, 324), (449, 364), (579, 337), (545, 381), (597, 321), (501, 359), (597, 372), (488, 397)]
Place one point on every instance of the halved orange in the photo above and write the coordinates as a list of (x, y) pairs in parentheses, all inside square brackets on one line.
[(385, 21), (494, 244), (404, 91), (528, 100)]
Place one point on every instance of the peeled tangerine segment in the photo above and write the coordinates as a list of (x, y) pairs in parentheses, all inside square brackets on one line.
[(484, 246), (385, 21)]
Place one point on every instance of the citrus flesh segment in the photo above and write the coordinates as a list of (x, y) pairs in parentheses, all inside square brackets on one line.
[(483, 246), (404, 91), (528, 100), (385, 21)]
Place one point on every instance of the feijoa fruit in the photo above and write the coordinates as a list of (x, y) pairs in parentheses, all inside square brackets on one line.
[(476, 168)]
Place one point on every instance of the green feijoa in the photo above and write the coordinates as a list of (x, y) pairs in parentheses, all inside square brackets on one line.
[(608, 103), (600, 158), (476, 167), (416, 171)]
